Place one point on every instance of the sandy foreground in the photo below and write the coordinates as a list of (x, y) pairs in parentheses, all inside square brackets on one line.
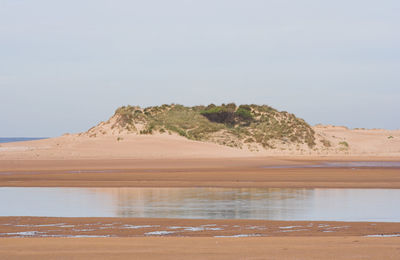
[(174, 162), (201, 248), (129, 238)]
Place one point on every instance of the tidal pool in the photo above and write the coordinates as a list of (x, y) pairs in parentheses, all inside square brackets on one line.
[(354, 164), (374, 205)]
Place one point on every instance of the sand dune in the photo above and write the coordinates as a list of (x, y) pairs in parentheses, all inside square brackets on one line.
[(331, 141)]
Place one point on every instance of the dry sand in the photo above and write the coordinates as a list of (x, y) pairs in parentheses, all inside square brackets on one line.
[(362, 142), (108, 147)]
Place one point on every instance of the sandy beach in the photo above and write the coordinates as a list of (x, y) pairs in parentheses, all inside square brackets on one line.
[(155, 163)]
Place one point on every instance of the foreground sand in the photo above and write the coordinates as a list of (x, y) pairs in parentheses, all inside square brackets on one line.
[(201, 248)]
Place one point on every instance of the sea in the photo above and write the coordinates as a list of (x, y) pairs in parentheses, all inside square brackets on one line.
[(19, 139)]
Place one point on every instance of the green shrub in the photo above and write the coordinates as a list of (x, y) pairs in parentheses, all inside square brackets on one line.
[(244, 114)]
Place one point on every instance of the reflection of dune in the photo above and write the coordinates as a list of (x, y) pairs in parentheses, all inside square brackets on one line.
[(378, 205), (270, 203)]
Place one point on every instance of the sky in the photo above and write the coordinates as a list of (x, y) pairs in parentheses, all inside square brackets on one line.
[(67, 65)]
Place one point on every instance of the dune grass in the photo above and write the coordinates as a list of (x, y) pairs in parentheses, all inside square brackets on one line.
[(260, 124)]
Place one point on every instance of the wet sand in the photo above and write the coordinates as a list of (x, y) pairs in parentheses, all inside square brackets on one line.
[(201, 248), (129, 238), (144, 227), (235, 172)]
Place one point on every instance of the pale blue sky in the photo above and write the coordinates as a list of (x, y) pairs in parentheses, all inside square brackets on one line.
[(67, 65)]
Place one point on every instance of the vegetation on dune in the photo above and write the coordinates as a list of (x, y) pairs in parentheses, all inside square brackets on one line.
[(226, 124), (344, 146), (326, 143)]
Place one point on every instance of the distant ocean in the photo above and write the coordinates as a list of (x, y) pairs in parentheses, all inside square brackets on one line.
[(19, 139)]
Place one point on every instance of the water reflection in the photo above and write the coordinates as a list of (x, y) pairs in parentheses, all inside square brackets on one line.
[(211, 203), (206, 203)]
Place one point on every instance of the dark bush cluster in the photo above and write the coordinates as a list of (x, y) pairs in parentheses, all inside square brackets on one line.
[(228, 114), (244, 113)]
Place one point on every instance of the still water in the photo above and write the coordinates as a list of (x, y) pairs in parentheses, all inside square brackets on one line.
[(19, 139), (381, 205)]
